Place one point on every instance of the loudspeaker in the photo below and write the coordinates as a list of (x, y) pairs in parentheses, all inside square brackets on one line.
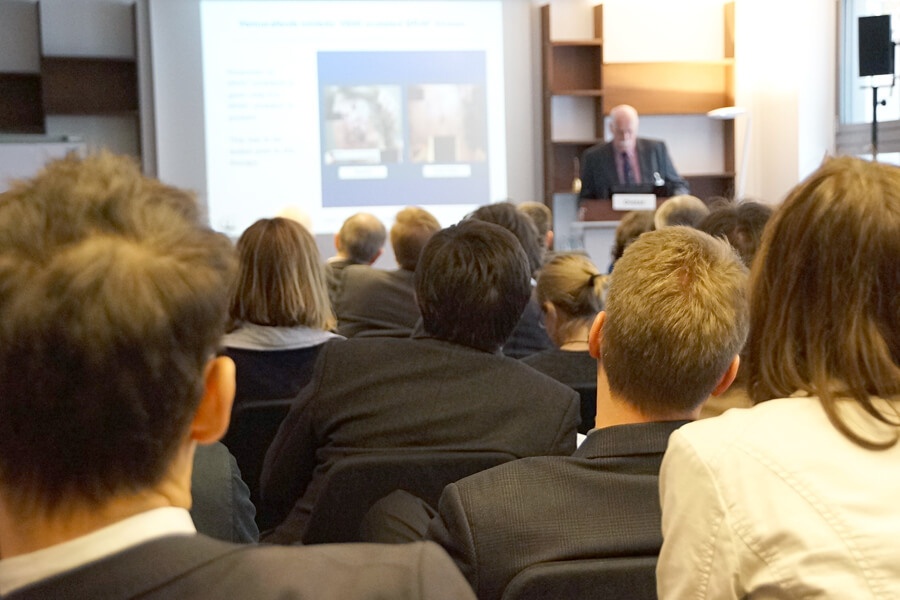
[(876, 51)]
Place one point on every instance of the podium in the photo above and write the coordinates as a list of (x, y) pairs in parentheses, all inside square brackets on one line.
[(602, 210)]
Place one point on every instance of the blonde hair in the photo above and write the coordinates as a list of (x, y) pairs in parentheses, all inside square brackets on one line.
[(825, 307), (676, 318), (575, 287), (281, 280)]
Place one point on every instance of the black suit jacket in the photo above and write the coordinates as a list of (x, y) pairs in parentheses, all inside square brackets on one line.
[(376, 394), (603, 501), (598, 168), (200, 568), (373, 301)]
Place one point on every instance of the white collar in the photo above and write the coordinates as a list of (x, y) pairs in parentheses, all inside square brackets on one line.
[(25, 569), (250, 336)]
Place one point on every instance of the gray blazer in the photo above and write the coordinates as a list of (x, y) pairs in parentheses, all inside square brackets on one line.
[(598, 168), (603, 501)]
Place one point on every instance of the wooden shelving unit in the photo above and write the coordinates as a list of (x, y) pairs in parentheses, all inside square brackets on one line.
[(68, 85), (577, 69)]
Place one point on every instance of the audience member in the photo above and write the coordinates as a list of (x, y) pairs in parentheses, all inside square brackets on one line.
[(374, 302), (680, 210), (114, 298), (359, 242), (279, 310), (542, 218), (675, 319), (627, 160), (741, 224), (570, 293), (632, 225), (449, 390), (529, 335), (797, 496)]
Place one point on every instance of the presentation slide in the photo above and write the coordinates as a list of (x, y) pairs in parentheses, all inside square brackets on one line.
[(337, 107)]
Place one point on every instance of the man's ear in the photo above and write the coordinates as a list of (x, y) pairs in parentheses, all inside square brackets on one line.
[(337, 241), (372, 262), (728, 378), (595, 337), (549, 239), (214, 413)]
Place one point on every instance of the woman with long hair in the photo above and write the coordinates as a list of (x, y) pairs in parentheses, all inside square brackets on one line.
[(798, 496), (280, 312)]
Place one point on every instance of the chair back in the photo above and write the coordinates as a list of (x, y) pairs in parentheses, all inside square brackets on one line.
[(588, 393), (356, 482), (613, 578), (254, 424)]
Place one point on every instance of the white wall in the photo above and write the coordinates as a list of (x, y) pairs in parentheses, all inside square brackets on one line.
[(786, 76)]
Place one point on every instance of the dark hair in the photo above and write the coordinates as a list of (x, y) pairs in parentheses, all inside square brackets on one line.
[(472, 284), (676, 317), (412, 229), (541, 216), (114, 297), (741, 224), (825, 307), (508, 217)]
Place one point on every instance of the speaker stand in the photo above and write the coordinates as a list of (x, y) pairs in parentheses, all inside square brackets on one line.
[(875, 103)]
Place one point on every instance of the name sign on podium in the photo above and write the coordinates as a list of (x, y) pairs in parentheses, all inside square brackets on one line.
[(634, 201)]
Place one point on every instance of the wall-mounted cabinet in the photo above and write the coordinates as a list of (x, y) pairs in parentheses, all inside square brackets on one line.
[(576, 70), (64, 85)]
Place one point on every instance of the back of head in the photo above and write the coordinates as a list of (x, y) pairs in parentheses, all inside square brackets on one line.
[(680, 210), (573, 285), (472, 284), (741, 224), (508, 217), (114, 297), (541, 216), (825, 307), (361, 238), (281, 280), (676, 317), (632, 225), (412, 229)]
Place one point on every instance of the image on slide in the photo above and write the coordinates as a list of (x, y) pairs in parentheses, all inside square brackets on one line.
[(446, 123), (362, 124)]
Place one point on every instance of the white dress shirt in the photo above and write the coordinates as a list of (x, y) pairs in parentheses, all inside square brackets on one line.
[(22, 570)]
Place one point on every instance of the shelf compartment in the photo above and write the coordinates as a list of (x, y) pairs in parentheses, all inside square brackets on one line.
[(666, 88), (82, 86), (20, 103)]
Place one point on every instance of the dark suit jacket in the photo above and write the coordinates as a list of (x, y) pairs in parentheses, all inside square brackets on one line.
[(199, 568), (222, 508), (601, 502), (376, 394), (529, 337), (598, 168), (373, 301)]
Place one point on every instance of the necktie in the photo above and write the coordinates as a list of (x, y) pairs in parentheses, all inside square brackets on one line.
[(626, 169)]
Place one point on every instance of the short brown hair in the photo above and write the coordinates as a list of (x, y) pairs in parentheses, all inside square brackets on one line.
[(677, 316), (114, 297), (520, 225), (825, 307), (281, 279), (541, 216), (632, 225), (741, 224), (680, 210), (412, 228)]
